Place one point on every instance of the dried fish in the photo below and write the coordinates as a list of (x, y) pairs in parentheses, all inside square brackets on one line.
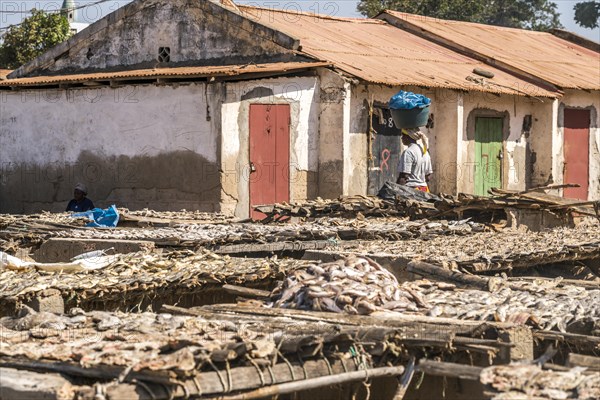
[(363, 288)]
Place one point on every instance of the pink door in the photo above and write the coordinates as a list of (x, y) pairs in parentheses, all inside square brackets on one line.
[(269, 155), (577, 152)]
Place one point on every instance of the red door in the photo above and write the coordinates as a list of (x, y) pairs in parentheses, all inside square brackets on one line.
[(269, 155), (577, 152)]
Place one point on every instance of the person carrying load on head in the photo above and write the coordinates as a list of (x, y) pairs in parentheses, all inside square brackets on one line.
[(414, 168), (80, 202)]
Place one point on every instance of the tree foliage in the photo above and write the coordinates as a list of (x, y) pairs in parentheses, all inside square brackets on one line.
[(36, 34), (526, 14), (587, 14)]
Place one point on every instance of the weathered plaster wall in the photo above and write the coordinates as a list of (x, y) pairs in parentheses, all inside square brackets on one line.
[(198, 32), (302, 94), (584, 100), (135, 146), (518, 166), (334, 141), (441, 136)]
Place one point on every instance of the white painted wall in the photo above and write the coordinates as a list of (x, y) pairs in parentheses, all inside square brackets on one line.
[(514, 162), (302, 94), (108, 138)]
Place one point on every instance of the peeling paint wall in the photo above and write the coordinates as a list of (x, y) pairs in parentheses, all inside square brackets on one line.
[(589, 101), (194, 31), (135, 146), (528, 152), (361, 96), (334, 125), (302, 94), (520, 165), (443, 136)]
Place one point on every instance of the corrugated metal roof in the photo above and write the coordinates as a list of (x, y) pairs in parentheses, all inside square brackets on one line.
[(4, 72), (555, 60), (177, 72), (378, 52)]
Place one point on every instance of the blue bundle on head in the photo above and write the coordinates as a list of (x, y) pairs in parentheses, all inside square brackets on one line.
[(409, 110), (408, 100)]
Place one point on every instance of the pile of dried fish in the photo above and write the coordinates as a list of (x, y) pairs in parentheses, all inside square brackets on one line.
[(353, 285), (356, 285), (349, 206), (44, 219), (209, 351), (20, 231), (184, 215), (434, 207), (547, 305), (519, 381), (486, 251), (138, 277), (321, 229)]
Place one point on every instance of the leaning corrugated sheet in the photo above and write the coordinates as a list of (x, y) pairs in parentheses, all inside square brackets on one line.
[(377, 52), (177, 72), (560, 62)]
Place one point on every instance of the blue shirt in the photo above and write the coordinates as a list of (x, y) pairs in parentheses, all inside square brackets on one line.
[(80, 206)]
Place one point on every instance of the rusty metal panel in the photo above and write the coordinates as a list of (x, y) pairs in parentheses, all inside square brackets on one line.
[(378, 52), (269, 155), (577, 152), (176, 72), (541, 54)]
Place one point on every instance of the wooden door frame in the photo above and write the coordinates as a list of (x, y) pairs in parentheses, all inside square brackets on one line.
[(488, 113)]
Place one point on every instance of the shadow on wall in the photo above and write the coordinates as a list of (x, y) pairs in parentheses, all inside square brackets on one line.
[(167, 181)]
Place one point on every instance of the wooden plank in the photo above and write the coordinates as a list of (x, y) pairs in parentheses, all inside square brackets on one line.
[(449, 370), (319, 382), (580, 360), (431, 270), (588, 342), (25, 385), (246, 292)]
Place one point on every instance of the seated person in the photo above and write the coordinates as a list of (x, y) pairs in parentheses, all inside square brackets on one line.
[(80, 203)]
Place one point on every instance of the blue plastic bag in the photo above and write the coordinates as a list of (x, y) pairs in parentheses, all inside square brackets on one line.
[(99, 218), (408, 100)]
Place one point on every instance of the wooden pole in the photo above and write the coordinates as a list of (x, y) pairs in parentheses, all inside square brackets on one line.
[(426, 269), (314, 383), (449, 370), (246, 292)]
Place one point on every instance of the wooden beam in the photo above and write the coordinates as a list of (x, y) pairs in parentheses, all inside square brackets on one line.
[(580, 360), (25, 385), (315, 383), (449, 370), (246, 292), (440, 273)]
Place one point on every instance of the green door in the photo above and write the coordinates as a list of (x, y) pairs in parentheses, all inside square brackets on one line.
[(488, 154)]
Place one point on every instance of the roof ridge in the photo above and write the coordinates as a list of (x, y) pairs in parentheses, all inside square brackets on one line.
[(313, 14), (410, 16)]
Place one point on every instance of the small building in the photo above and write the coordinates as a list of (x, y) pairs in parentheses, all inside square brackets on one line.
[(559, 61), (219, 107)]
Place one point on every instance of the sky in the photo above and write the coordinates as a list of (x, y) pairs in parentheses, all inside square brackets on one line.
[(11, 11)]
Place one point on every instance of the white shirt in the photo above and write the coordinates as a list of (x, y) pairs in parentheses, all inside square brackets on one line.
[(416, 164)]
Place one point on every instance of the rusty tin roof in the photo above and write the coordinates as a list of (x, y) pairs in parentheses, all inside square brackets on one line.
[(176, 72), (541, 54), (378, 52), (4, 72)]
